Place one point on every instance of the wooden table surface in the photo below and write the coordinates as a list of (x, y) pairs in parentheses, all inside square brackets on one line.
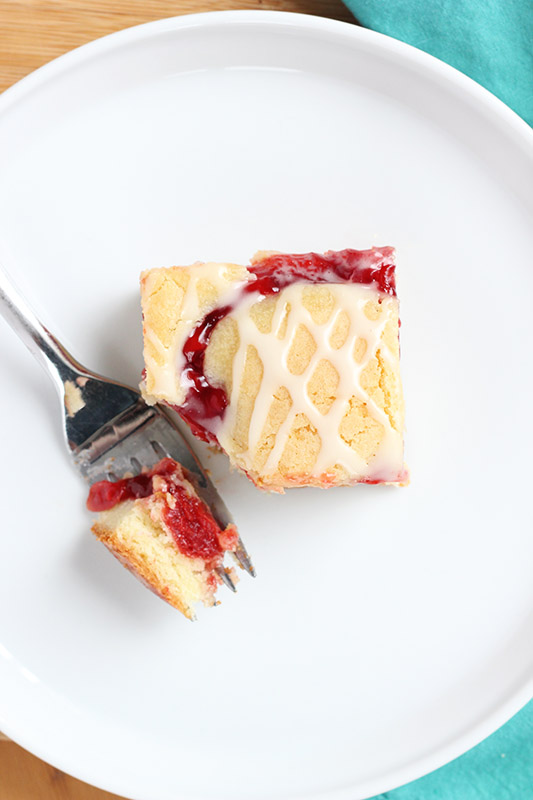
[(33, 32)]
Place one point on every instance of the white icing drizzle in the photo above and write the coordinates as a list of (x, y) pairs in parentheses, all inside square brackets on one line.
[(166, 376), (273, 351), (225, 284), (165, 381)]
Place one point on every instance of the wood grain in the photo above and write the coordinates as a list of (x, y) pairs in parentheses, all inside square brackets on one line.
[(25, 777), (33, 32)]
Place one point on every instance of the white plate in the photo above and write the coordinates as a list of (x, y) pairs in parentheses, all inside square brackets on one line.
[(387, 630)]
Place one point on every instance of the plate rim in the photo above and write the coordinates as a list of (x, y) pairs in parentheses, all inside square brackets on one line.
[(498, 110), (86, 51)]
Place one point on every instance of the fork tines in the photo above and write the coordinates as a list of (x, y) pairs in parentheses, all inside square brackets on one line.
[(138, 438)]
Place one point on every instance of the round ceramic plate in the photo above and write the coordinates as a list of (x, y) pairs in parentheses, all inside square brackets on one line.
[(388, 630)]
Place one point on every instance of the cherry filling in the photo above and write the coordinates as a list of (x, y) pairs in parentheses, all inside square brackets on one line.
[(204, 403), (194, 530), (104, 495), (370, 267)]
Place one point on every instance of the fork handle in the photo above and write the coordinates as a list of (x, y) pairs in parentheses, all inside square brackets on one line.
[(48, 351)]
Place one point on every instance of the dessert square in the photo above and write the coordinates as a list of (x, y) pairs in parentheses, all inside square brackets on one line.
[(290, 365)]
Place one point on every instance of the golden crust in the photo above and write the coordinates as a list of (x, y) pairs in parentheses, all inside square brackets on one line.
[(131, 558), (162, 295), (162, 292)]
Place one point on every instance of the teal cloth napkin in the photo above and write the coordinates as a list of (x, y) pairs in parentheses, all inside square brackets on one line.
[(500, 768), (492, 42), (489, 40)]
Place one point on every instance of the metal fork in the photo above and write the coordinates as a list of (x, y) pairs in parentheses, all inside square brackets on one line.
[(109, 429)]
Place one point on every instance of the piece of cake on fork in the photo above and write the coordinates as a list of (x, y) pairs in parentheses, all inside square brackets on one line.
[(290, 365), (161, 530)]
